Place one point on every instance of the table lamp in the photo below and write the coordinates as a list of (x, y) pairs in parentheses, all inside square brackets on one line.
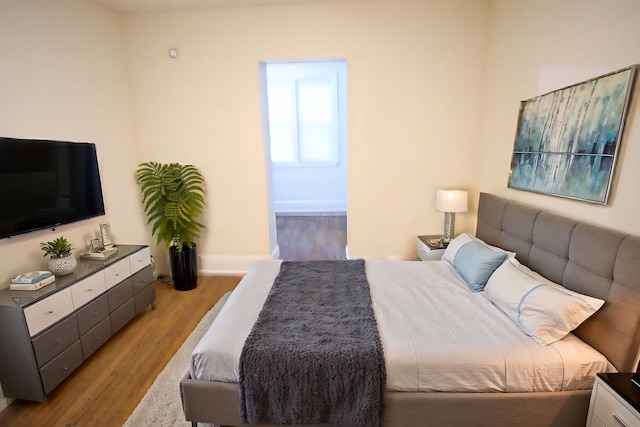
[(450, 202)]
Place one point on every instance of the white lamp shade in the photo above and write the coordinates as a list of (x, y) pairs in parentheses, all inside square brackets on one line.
[(451, 200)]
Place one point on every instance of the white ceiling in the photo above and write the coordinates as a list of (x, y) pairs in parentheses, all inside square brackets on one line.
[(138, 6)]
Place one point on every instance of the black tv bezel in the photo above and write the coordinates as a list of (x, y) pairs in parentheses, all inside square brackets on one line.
[(70, 221)]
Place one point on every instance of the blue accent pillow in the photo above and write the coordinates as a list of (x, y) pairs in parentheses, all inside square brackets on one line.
[(475, 263)]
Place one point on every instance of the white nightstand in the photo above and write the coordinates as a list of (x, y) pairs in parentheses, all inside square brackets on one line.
[(614, 402), (426, 251)]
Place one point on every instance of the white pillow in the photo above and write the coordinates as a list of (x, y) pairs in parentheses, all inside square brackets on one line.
[(544, 310), (455, 245)]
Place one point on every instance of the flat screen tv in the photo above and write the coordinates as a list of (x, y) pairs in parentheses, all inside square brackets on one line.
[(44, 184)]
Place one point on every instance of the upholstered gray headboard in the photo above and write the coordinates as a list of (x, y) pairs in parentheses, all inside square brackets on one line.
[(583, 257)]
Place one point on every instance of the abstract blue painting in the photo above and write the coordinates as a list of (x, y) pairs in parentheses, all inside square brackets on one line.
[(567, 140)]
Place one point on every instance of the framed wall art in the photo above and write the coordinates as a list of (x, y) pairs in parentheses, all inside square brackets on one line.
[(567, 140)]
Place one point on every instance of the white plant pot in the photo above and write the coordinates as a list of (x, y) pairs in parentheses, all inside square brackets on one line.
[(63, 266)]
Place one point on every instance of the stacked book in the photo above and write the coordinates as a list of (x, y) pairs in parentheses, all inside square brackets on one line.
[(32, 281)]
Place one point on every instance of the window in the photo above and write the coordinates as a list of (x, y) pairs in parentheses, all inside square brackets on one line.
[(303, 121)]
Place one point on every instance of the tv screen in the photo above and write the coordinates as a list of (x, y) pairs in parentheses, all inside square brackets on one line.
[(44, 184)]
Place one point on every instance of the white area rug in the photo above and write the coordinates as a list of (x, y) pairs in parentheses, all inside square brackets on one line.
[(161, 405)]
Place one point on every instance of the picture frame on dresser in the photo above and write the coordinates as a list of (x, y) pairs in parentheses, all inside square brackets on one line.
[(96, 245), (105, 234)]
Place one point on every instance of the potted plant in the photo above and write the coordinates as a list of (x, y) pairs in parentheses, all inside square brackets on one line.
[(173, 197), (61, 262)]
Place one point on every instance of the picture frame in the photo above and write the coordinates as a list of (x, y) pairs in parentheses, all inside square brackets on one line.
[(105, 234), (567, 140), (96, 245)]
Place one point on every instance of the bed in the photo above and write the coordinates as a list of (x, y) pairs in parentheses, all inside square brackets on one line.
[(588, 259)]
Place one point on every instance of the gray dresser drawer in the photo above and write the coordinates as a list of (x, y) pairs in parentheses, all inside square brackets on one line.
[(122, 316), (91, 314), (120, 294), (61, 367), (93, 340), (55, 340), (145, 297), (142, 279)]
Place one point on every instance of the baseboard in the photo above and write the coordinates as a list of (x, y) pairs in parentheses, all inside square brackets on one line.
[(336, 213), (224, 265), (4, 403), (319, 207)]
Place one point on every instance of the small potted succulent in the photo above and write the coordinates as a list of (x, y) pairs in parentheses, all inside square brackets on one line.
[(61, 262)]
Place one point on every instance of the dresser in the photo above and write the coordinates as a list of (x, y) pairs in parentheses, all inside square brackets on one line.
[(46, 334)]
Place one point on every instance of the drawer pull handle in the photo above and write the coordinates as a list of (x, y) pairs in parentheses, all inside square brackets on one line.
[(58, 342), (117, 274), (94, 314), (90, 290), (50, 312), (620, 420)]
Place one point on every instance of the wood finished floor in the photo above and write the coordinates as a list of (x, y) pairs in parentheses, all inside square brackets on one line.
[(108, 386), (305, 238)]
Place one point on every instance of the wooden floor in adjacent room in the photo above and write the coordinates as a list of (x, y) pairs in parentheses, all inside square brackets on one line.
[(105, 390), (305, 238)]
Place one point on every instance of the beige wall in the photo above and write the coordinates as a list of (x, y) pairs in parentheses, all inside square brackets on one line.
[(414, 74), (536, 47), (64, 77)]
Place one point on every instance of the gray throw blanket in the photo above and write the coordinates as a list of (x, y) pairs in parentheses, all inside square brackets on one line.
[(314, 355)]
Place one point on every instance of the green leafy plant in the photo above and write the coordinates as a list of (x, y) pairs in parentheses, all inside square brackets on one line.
[(173, 197), (58, 248)]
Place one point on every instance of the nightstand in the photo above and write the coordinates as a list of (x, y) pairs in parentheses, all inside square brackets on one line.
[(426, 251), (614, 402)]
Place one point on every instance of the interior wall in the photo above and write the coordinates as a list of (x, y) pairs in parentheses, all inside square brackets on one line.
[(414, 77), (64, 77), (537, 47)]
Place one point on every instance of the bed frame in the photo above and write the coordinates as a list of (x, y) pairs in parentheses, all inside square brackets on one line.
[(588, 259)]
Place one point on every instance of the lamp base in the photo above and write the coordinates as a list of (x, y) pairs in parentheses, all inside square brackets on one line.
[(449, 225)]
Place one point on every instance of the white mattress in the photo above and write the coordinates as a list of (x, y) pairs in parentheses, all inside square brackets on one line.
[(437, 335)]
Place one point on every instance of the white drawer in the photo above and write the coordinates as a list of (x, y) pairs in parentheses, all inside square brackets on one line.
[(140, 260), (611, 411), (425, 253), (48, 311), (88, 289), (117, 272)]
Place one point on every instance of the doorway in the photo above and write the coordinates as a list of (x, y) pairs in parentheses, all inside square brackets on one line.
[(306, 116)]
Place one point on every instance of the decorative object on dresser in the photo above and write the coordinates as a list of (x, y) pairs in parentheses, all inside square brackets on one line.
[(103, 247), (567, 140), (173, 197), (46, 334), (61, 262), (614, 401), (31, 277), (450, 202), (32, 281), (34, 286)]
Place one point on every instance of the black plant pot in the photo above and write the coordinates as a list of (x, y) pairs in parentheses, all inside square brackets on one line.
[(184, 268)]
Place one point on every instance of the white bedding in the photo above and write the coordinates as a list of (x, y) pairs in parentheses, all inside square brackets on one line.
[(437, 335)]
